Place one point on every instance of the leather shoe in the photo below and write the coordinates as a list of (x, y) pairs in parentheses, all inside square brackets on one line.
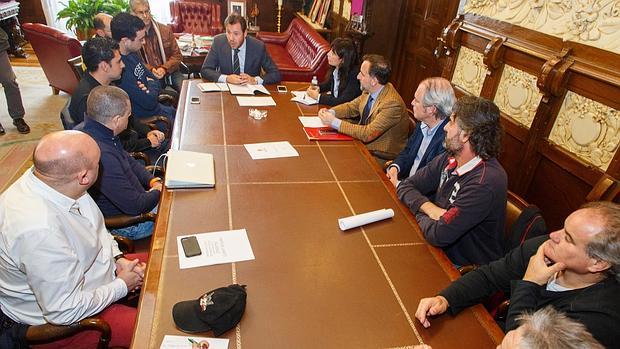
[(22, 126), (2, 131)]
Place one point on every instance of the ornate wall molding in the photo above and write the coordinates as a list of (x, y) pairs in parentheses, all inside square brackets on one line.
[(590, 22), (517, 95), (470, 71), (588, 129)]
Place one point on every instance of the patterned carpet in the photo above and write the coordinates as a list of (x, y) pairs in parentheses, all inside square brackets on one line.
[(42, 114)]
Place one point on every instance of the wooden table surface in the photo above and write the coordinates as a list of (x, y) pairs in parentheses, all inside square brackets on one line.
[(311, 285)]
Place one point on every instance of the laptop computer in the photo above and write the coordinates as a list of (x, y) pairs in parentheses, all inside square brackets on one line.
[(188, 169)]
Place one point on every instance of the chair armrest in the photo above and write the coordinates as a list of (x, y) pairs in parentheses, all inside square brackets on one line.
[(467, 268), (124, 244), (383, 155), (273, 38), (387, 164), (157, 171), (167, 99), (122, 221), (47, 332), (152, 123), (138, 155)]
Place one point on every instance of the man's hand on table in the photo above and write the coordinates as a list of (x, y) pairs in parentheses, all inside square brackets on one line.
[(327, 116), (248, 79), (430, 307)]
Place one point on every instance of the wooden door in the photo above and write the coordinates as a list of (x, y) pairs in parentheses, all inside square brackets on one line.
[(419, 27)]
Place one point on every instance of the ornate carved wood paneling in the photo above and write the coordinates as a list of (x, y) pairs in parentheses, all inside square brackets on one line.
[(31, 11), (559, 103)]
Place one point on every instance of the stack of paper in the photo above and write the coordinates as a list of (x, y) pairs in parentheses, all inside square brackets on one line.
[(255, 101), (213, 86), (271, 150), (302, 97)]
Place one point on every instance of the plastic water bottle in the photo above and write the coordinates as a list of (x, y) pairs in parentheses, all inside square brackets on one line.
[(315, 82)]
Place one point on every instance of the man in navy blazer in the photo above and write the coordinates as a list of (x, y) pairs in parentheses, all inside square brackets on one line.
[(237, 59), (432, 105)]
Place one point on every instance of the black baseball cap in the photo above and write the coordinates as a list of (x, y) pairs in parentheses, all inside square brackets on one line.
[(218, 310)]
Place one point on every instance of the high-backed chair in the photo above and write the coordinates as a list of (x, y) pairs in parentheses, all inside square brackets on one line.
[(196, 17), (53, 48), (300, 52)]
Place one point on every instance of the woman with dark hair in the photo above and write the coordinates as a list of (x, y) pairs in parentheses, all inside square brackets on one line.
[(341, 85)]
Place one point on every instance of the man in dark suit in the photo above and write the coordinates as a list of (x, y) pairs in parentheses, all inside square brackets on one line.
[(237, 59), (432, 106)]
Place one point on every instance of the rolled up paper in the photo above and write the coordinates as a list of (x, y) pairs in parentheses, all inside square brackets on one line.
[(365, 218)]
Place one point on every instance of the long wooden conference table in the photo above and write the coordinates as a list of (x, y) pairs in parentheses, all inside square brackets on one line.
[(311, 285)]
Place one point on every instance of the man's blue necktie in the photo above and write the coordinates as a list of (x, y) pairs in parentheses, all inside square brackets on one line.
[(366, 113)]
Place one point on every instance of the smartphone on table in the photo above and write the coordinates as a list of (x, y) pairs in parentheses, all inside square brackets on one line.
[(190, 246)]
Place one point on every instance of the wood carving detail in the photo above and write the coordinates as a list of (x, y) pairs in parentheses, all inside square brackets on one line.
[(588, 129), (517, 95), (591, 22), (470, 71)]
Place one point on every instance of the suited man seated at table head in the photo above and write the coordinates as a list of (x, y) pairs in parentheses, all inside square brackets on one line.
[(459, 198), (58, 260), (575, 269), (142, 86), (378, 117), (104, 65), (432, 105), (546, 329), (101, 22), (237, 58), (124, 186)]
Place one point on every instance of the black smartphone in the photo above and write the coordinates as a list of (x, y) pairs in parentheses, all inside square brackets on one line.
[(195, 100), (190, 246), (282, 88)]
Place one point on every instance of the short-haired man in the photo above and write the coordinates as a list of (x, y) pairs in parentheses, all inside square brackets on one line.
[(547, 328), (160, 51), (432, 105), (378, 116), (237, 58), (102, 25), (124, 185), (459, 198), (137, 80), (11, 88), (58, 260), (104, 65), (575, 269)]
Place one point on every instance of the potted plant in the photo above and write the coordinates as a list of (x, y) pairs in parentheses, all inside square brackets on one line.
[(80, 13)]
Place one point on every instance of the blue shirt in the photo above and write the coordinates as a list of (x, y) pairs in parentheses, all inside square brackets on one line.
[(427, 136)]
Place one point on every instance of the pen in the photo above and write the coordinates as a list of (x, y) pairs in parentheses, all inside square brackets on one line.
[(192, 341)]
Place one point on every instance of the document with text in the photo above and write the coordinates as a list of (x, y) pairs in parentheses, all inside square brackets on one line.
[(311, 121), (213, 86), (184, 342), (217, 248), (270, 150), (248, 90), (255, 101)]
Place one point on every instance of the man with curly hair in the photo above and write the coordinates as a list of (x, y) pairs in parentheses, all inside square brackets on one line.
[(459, 198)]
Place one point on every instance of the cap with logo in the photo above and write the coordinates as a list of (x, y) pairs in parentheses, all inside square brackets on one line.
[(218, 310)]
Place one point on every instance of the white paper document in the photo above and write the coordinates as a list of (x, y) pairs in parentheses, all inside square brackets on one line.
[(213, 86), (311, 121), (247, 89), (302, 97), (217, 248), (365, 218), (182, 342), (255, 101), (270, 150)]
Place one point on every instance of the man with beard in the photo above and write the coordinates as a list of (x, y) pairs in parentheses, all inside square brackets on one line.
[(459, 198)]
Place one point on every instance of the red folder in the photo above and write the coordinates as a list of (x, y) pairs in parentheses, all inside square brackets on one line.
[(325, 134)]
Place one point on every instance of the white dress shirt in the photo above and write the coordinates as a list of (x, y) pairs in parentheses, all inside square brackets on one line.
[(56, 261)]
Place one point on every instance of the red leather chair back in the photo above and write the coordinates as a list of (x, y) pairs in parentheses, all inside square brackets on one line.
[(53, 48), (202, 18)]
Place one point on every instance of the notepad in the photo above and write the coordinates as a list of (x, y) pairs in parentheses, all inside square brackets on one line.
[(213, 86), (188, 169), (303, 98), (311, 121), (255, 101), (248, 90)]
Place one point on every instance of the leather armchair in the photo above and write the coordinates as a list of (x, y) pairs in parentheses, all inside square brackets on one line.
[(201, 18), (300, 52), (53, 48)]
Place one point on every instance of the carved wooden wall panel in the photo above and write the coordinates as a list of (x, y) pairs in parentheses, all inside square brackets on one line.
[(560, 103)]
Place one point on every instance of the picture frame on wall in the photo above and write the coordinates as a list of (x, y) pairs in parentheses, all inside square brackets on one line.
[(237, 6)]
